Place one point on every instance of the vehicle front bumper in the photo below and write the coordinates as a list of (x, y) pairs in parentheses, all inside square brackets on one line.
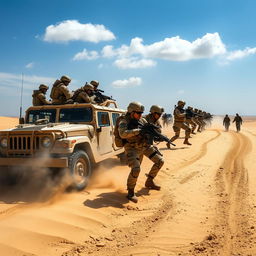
[(35, 161)]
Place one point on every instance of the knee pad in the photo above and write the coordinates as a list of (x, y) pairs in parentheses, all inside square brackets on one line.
[(135, 172)]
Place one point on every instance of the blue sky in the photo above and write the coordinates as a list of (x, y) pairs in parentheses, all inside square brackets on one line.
[(155, 52)]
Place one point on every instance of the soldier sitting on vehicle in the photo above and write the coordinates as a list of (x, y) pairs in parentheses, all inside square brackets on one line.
[(39, 98), (100, 98), (136, 146), (60, 93), (84, 94)]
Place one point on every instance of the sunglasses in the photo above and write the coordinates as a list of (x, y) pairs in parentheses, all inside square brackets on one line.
[(139, 113)]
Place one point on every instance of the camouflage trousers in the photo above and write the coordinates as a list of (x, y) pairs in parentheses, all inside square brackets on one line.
[(134, 157), (176, 128), (192, 123)]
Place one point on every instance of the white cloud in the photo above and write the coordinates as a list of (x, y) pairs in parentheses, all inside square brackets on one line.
[(239, 54), (181, 92), (130, 82), (30, 65), (72, 30), (174, 48), (86, 55), (132, 63)]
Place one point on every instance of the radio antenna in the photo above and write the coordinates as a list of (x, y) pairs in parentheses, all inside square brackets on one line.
[(21, 94)]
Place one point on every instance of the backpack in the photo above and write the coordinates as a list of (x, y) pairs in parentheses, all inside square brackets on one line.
[(54, 86), (118, 140)]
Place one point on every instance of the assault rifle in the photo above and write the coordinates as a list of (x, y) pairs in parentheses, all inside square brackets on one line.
[(190, 113), (100, 98), (150, 133)]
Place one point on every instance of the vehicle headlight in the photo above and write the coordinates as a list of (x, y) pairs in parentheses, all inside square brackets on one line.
[(46, 142), (4, 142)]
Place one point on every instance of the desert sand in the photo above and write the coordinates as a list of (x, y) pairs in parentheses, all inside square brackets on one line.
[(207, 204)]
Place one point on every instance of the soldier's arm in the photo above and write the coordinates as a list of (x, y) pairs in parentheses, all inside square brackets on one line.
[(43, 99), (126, 133), (85, 97), (66, 92), (179, 114)]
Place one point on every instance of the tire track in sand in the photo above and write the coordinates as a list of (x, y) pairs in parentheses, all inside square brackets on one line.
[(233, 206)]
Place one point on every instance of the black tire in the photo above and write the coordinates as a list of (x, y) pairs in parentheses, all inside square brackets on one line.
[(80, 168)]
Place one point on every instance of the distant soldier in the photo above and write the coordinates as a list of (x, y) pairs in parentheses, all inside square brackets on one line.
[(190, 119), (60, 93), (39, 98), (179, 122), (84, 94), (197, 121), (201, 119), (165, 119), (226, 122), (135, 147), (238, 120)]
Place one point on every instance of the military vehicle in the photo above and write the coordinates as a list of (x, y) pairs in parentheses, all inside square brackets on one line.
[(72, 137)]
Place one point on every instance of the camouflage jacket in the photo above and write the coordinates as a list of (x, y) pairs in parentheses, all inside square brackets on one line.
[(179, 114), (151, 120), (80, 96), (130, 134), (39, 99), (60, 93)]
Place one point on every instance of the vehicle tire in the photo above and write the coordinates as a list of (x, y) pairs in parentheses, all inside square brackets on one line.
[(123, 159), (80, 168)]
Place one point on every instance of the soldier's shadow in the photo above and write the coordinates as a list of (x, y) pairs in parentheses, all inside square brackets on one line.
[(111, 199), (173, 148), (143, 192)]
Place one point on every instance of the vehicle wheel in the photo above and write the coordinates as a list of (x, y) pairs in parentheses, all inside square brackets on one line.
[(123, 159), (80, 168)]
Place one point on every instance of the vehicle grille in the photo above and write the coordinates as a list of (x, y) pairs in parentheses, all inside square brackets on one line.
[(23, 144)]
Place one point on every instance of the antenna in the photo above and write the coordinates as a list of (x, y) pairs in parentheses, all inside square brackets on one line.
[(21, 94)]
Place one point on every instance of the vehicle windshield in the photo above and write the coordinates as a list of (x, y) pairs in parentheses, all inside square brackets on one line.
[(49, 114), (75, 115)]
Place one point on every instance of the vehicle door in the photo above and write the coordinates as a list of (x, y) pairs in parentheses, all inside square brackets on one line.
[(104, 133), (113, 124)]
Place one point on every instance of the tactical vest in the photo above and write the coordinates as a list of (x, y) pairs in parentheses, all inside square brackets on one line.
[(178, 118), (118, 140), (54, 94)]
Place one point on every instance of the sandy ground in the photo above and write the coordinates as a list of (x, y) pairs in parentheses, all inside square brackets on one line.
[(207, 205)]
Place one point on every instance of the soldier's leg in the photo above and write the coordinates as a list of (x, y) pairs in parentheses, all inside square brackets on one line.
[(193, 125), (187, 133), (176, 129), (155, 156)]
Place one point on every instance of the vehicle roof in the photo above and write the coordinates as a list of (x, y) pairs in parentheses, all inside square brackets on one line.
[(79, 105)]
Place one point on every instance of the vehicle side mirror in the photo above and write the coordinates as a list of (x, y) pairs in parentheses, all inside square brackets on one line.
[(98, 129), (21, 120)]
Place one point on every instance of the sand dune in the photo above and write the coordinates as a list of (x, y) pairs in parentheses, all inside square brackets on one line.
[(207, 205)]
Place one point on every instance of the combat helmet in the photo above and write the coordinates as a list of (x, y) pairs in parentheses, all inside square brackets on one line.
[(88, 86), (156, 109), (95, 83), (135, 106), (190, 108), (65, 79), (181, 103), (43, 86)]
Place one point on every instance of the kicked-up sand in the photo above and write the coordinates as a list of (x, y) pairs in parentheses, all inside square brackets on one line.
[(207, 204)]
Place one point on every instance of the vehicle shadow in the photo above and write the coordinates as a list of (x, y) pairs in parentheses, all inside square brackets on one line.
[(111, 199)]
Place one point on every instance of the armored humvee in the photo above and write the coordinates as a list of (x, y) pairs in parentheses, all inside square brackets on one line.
[(71, 137)]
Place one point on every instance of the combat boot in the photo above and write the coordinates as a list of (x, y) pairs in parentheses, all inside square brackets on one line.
[(187, 142), (151, 184), (131, 195), (168, 145)]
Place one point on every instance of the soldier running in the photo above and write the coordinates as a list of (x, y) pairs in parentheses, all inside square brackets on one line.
[(190, 119), (179, 122), (135, 147), (38, 96)]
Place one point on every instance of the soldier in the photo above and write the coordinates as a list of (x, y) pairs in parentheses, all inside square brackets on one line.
[(154, 116), (135, 147), (190, 118), (226, 122), (60, 93), (165, 119), (238, 119), (179, 122), (84, 94), (197, 121), (39, 98)]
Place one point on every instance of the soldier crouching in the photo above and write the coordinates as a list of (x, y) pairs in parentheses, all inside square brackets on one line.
[(135, 147)]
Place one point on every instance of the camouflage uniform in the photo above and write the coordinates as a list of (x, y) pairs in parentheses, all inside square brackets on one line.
[(201, 119), (150, 119), (60, 93), (38, 96), (226, 122), (81, 95), (197, 121), (179, 123), (135, 148), (189, 121)]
